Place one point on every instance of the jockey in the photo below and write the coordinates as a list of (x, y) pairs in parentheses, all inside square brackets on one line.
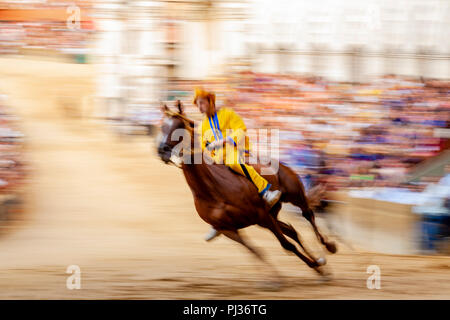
[(214, 129)]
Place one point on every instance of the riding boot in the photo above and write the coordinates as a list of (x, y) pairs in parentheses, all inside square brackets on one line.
[(271, 197), (212, 234)]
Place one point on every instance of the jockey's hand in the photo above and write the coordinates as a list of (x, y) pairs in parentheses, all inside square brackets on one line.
[(215, 144)]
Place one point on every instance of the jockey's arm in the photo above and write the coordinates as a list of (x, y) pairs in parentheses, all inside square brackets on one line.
[(235, 124), (203, 133)]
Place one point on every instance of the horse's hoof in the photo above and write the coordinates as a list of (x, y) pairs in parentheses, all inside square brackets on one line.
[(321, 261), (324, 272), (331, 247)]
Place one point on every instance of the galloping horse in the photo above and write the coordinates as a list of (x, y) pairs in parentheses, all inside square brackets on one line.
[(230, 202)]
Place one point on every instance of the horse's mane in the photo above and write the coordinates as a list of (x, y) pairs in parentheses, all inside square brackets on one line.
[(178, 115)]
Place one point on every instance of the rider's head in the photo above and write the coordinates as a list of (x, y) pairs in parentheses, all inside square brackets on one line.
[(205, 101)]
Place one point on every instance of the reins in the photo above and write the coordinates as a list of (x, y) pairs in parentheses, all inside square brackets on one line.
[(187, 122)]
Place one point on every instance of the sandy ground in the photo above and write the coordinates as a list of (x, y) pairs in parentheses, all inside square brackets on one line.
[(128, 221)]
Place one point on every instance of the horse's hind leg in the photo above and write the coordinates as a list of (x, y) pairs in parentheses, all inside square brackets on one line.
[(234, 235), (273, 226), (309, 215), (289, 231), (300, 200)]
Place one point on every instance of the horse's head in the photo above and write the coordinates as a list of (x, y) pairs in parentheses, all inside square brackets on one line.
[(175, 125)]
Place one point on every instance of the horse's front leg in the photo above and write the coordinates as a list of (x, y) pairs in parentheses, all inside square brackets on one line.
[(215, 218), (236, 236)]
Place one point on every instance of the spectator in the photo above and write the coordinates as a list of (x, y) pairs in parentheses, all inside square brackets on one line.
[(434, 211)]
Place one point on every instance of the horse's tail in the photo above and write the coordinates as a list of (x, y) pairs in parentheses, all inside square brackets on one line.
[(294, 190), (315, 195)]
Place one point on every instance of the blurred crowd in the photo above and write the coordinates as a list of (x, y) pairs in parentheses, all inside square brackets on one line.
[(345, 135), (41, 35), (12, 156), (30, 31)]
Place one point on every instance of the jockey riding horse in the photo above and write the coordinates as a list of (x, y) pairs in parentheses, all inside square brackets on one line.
[(229, 149)]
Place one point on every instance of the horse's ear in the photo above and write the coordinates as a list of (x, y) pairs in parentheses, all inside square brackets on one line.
[(180, 106), (164, 108)]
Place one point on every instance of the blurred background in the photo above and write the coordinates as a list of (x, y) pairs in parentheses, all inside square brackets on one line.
[(358, 89)]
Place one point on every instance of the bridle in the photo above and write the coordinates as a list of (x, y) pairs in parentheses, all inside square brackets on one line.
[(188, 125)]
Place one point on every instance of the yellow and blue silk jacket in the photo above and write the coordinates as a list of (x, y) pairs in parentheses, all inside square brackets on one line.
[(225, 121)]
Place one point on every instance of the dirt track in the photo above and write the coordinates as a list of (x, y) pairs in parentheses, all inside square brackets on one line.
[(128, 221)]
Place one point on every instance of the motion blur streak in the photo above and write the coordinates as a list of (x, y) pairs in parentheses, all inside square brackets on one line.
[(358, 89)]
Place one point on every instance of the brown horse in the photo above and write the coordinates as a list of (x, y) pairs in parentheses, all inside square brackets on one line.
[(230, 202)]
